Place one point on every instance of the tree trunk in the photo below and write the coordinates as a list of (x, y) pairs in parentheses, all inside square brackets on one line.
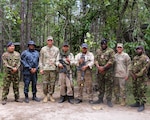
[(22, 28)]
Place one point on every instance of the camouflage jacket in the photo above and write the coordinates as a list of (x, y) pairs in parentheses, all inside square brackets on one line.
[(89, 59), (11, 60), (121, 65), (140, 65), (104, 57), (47, 60)]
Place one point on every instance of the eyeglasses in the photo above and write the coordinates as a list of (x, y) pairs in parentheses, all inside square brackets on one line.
[(119, 47)]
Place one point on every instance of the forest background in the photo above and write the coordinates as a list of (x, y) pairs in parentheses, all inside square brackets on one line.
[(75, 21)]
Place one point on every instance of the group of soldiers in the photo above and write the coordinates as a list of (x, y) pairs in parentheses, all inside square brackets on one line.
[(113, 70)]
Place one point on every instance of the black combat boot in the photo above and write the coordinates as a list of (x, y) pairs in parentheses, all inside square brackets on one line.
[(141, 108), (17, 99), (137, 104), (78, 101), (109, 103), (71, 99), (62, 99), (26, 98), (4, 102), (99, 101), (35, 98)]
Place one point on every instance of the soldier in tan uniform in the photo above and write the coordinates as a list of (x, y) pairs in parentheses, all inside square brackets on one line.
[(47, 65), (65, 61), (11, 63), (84, 62), (121, 73)]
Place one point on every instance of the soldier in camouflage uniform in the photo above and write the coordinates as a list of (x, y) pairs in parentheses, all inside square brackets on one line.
[(138, 71), (104, 60), (84, 62), (11, 63), (65, 60), (47, 65)]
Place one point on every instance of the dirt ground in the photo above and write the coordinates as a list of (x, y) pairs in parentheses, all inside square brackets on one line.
[(66, 111)]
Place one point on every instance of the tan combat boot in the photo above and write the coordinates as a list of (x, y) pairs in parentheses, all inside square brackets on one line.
[(123, 102), (117, 100), (45, 99), (51, 98)]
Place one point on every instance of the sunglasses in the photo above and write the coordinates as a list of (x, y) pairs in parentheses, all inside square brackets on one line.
[(119, 47)]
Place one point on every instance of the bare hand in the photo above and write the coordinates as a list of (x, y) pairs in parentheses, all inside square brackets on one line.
[(42, 72), (60, 65)]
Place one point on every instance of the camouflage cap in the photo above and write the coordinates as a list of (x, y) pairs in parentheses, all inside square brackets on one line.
[(49, 38), (119, 45)]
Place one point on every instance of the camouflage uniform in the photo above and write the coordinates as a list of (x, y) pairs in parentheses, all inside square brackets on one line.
[(10, 60), (65, 76), (47, 62), (139, 67), (105, 80), (87, 80)]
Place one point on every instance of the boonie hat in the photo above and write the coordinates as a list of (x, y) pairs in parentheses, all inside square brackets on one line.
[(31, 43), (139, 47)]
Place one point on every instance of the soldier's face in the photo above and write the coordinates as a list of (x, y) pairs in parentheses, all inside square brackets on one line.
[(139, 51), (11, 48), (65, 48), (119, 49), (50, 42), (31, 47), (84, 50), (103, 46)]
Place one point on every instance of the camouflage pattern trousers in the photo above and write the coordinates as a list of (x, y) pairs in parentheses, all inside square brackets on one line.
[(8, 78), (139, 89), (119, 87), (87, 83), (105, 83), (49, 78), (66, 85)]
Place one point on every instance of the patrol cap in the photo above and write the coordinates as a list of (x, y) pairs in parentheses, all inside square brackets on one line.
[(31, 43), (140, 47), (65, 44), (104, 41), (49, 38), (9, 44), (119, 45), (84, 45)]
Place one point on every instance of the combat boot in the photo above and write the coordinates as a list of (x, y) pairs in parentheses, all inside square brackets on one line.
[(99, 101), (35, 98), (26, 98), (4, 102), (71, 99), (109, 103), (51, 98), (123, 102), (45, 99), (62, 99), (141, 108), (137, 104)]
